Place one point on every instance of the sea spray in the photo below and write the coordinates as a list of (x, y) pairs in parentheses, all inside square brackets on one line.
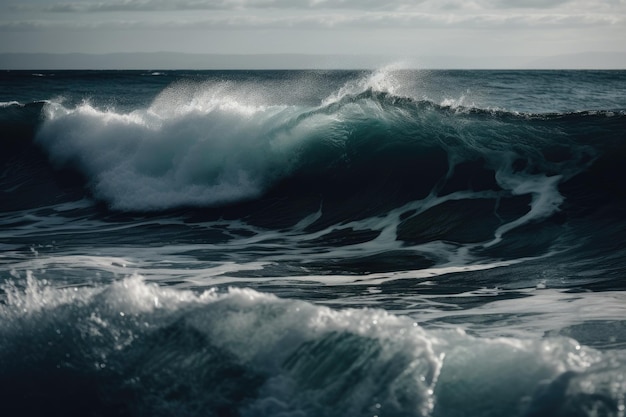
[(243, 350)]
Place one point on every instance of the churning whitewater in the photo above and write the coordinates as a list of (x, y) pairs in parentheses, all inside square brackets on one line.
[(313, 243)]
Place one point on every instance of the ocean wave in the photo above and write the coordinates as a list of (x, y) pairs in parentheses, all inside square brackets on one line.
[(134, 348), (209, 145), (377, 164)]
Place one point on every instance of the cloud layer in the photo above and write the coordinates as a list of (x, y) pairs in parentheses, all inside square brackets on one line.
[(303, 26), (86, 6)]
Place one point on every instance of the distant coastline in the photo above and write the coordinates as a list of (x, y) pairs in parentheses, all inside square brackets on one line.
[(174, 60)]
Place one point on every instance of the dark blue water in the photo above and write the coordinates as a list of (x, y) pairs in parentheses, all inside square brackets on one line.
[(301, 243)]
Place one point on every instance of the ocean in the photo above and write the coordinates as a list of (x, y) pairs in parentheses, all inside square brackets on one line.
[(313, 243)]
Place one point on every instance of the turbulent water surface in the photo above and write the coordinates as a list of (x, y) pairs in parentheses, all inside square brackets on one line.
[(301, 243)]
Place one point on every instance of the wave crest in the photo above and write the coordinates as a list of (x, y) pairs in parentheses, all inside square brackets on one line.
[(170, 155)]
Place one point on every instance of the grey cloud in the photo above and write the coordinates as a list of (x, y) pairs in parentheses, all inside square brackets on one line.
[(523, 4), (171, 5), (539, 5), (390, 20), (363, 5)]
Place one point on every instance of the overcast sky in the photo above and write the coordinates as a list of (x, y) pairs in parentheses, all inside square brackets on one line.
[(390, 27)]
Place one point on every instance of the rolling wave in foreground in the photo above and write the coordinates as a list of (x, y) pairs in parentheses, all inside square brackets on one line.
[(388, 243)]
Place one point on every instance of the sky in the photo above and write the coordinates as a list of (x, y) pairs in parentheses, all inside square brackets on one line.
[(402, 28)]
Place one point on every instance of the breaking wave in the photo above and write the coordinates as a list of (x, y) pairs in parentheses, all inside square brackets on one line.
[(133, 348)]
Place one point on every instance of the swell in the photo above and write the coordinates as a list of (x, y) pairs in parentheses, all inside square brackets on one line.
[(27, 178), (19, 122)]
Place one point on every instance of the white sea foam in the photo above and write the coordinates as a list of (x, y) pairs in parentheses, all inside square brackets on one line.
[(387, 79), (198, 149), (10, 104), (546, 199)]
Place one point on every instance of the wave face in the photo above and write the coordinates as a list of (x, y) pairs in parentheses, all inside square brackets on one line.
[(283, 243), (211, 144)]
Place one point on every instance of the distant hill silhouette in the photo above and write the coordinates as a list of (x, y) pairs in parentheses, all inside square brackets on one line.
[(174, 60)]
